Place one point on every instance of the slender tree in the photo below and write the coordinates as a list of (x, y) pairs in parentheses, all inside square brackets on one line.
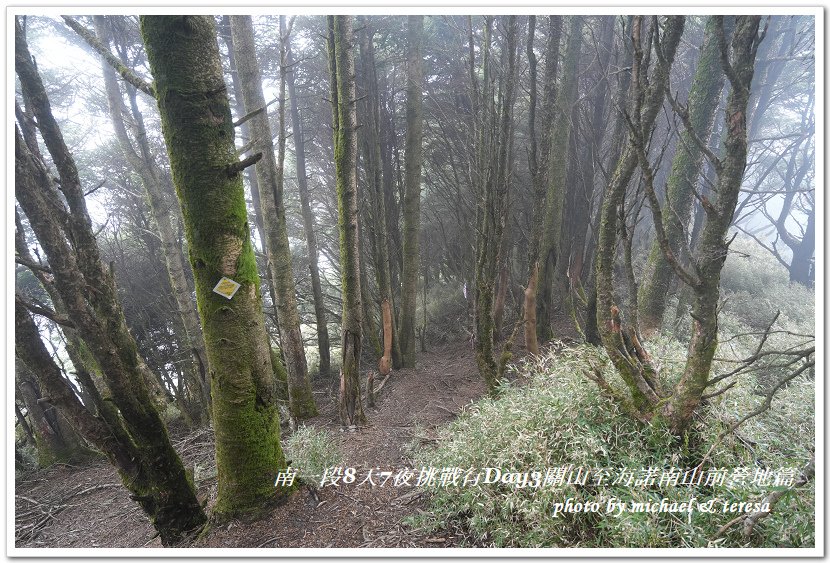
[(198, 130), (539, 167), (308, 218), (551, 237), (493, 216), (412, 187), (141, 160), (372, 151), (269, 173), (344, 119)]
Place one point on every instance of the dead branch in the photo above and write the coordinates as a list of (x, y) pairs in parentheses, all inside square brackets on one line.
[(237, 167)]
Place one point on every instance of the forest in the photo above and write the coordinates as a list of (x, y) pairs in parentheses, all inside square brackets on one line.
[(415, 281)]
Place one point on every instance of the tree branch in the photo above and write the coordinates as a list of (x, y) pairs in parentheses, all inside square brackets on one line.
[(237, 167), (44, 312), (32, 265), (126, 73)]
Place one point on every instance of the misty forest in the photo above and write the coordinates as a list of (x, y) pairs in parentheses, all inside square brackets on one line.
[(414, 281)]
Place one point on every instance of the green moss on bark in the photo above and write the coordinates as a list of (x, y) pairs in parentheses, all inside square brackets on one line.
[(197, 126)]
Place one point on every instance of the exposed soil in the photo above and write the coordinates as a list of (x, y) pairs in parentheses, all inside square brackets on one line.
[(65, 506)]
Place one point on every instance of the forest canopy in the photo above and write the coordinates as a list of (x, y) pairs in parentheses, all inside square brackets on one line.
[(258, 256)]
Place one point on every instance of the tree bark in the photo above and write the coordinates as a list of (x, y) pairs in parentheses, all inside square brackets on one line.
[(637, 377), (591, 154), (492, 214), (55, 440), (270, 179), (540, 171), (344, 118), (198, 130), (412, 187)]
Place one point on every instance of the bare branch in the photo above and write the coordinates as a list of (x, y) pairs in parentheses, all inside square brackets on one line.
[(44, 312), (237, 167)]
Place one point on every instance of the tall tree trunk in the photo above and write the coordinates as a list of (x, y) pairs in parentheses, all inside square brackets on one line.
[(624, 60), (372, 150), (88, 291), (590, 154), (680, 190), (143, 164), (308, 218), (412, 188), (393, 229), (198, 129), (539, 168), (551, 239), (540, 171), (344, 118), (493, 213), (270, 178), (249, 173)]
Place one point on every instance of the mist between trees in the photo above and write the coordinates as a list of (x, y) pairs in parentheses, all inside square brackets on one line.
[(377, 186)]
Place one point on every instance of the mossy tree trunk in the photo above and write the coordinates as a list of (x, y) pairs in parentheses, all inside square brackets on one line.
[(87, 372), (493, 210), (540, 161), (88, 292), (107, 435), (739, 65), (308, 218), (539, 167), (647, 397), (623, 59), (270, 179), (412, 185), (550, 245), (198, 130), (344, 122), (680, 190), (141, 160), (372, 157)]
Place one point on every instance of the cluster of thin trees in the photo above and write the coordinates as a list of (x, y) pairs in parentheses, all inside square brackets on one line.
[(533, 187)]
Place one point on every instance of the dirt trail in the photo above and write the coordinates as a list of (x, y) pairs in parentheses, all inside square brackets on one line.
[(66, 506)]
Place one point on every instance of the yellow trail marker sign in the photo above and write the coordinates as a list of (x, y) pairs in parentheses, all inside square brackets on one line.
[(226, 288)]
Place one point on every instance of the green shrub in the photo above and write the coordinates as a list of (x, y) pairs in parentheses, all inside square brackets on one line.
[(311, 451), (754, 285), (560, 419)]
